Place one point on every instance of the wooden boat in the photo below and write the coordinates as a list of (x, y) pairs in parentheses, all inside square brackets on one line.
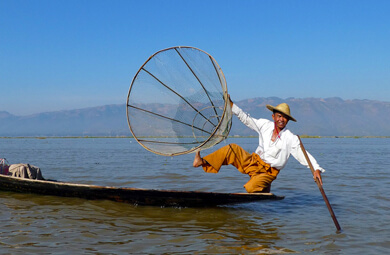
[(130, 195)]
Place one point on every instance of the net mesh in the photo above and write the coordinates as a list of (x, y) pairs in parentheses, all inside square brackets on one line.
[(177, 102)]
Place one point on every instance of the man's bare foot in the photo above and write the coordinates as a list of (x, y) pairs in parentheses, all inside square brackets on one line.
[(198, 160)]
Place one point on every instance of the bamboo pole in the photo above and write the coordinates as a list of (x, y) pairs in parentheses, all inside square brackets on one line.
[(320, 187)]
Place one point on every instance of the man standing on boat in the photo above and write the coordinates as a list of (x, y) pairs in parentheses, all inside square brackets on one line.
[(276, 144)]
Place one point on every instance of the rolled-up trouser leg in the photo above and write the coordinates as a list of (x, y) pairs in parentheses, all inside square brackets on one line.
[(261, 173), (259, 183), (231, 154)]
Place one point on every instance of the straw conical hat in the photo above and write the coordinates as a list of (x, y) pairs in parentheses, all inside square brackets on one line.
[(283, 108)]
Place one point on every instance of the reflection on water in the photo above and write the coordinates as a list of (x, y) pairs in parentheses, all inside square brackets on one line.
[(356, 185), (43, 222)]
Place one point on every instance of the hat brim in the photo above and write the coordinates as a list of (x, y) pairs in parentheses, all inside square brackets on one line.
[(271, 108)]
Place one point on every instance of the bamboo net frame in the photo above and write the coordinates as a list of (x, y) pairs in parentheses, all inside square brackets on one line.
[(216, 123)]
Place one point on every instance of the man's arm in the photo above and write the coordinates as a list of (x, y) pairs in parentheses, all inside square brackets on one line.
[(252, 123), (297, 153)]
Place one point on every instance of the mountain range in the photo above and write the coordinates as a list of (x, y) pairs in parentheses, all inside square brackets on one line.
[(315, 117)]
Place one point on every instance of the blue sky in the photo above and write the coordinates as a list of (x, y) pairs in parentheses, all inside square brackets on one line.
[(59, 55)]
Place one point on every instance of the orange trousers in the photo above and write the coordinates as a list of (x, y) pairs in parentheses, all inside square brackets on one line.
[(261, 174)]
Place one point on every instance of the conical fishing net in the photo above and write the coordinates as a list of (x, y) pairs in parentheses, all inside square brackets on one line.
[(178, 102)]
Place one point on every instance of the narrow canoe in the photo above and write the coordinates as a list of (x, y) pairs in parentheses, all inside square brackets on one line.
[(130, 195)]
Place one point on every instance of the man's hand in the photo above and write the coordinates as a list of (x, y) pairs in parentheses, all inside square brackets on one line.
[(230, 101), (317, 174)]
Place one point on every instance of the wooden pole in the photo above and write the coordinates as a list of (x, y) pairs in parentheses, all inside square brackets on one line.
[(320, 187)]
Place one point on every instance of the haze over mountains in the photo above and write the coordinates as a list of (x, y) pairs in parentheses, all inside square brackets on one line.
[(315, 116)]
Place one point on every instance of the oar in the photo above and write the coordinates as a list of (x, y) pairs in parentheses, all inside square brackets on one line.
[(320, 187)]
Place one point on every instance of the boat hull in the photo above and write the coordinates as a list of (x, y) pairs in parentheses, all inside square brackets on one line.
[(130, 195)]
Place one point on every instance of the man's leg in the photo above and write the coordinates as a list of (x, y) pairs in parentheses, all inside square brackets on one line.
[(260, 183), (198, 160), (246, 163), (231, 154)]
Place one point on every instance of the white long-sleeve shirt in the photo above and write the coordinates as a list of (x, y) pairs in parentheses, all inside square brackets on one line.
[(275, 153)]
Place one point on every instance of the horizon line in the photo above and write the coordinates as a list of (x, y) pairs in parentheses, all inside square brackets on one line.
[(97, 106)]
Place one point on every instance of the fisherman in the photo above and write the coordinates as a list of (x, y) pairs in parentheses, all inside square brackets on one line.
[(4, 166), (276, 144)]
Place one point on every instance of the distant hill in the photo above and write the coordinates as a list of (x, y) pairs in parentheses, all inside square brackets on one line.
[(108, 120), (326, 116), (315, 116)]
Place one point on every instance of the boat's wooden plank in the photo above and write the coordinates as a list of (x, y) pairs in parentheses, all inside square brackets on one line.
[(130, 195)]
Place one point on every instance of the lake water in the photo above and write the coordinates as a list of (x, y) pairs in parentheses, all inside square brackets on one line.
[(357, 183)]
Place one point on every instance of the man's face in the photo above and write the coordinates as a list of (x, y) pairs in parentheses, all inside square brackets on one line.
[(280, 120)]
